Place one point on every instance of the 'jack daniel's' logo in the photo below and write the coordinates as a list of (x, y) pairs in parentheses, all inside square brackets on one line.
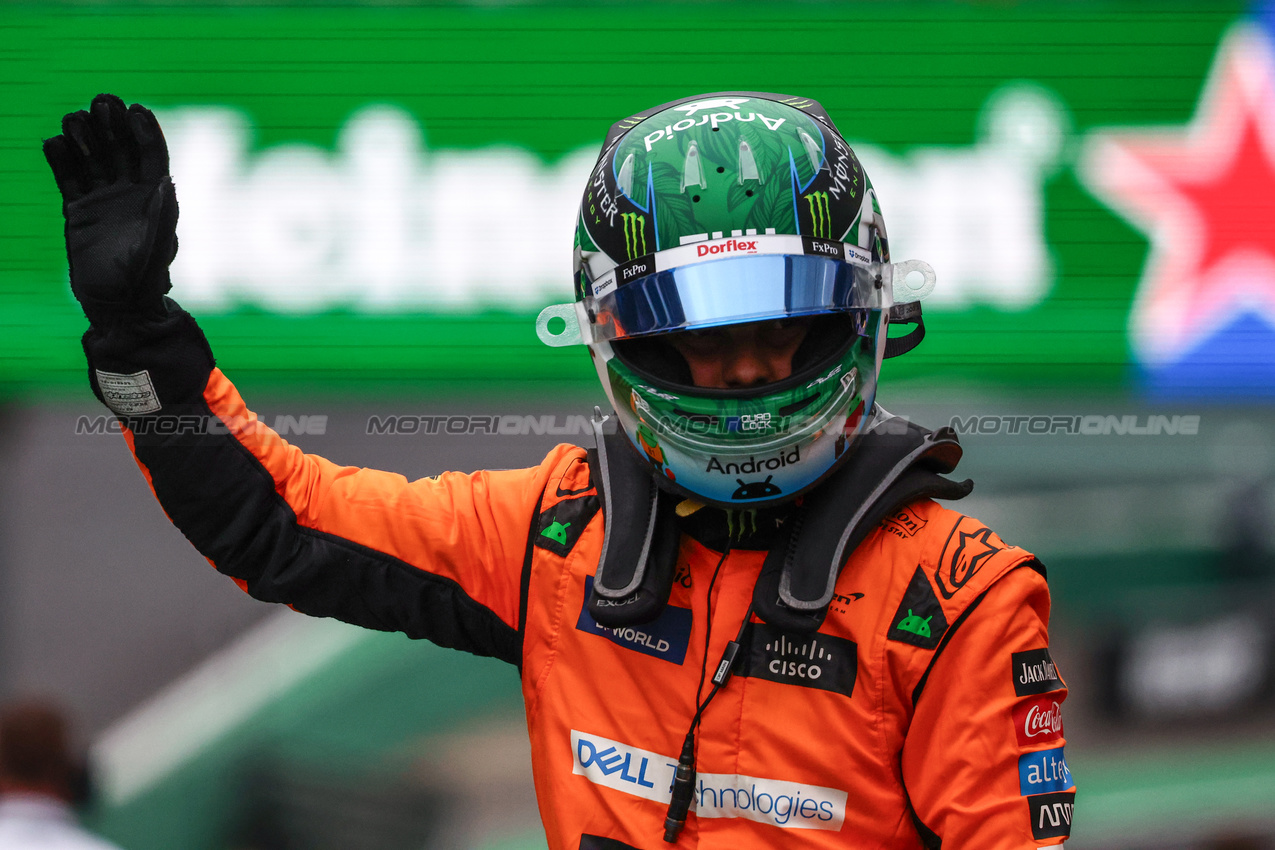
[(1034, 672)]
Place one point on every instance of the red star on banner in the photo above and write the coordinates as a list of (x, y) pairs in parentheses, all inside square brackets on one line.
[(1205, 195)]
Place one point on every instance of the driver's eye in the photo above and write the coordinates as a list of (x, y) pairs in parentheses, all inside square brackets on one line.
[(783, 332), (703, 339)]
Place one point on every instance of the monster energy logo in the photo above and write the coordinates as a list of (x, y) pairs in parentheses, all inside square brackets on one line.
[(634, 234), (820, 220)]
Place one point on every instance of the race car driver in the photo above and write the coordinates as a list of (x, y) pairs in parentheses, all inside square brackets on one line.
[(740, 619)]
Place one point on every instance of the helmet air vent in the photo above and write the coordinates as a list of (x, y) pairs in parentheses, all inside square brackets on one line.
[(692, 172), (624, 180), (813, 151), (747, 164)]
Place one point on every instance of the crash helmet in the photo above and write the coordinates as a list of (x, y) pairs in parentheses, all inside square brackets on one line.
[(724, 209)]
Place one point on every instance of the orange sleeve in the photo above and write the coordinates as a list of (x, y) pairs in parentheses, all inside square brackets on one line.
[(983, 761), (439, 558)]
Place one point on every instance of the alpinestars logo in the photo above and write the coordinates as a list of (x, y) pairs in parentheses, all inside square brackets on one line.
[(128, 394), (818, 661), (817, 381), (968, 548)]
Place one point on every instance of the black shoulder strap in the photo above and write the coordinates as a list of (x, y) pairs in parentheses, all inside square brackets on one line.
[(640, 533), (896, 463)]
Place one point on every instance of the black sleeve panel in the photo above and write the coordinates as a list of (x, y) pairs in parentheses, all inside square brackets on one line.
[(225, 502)]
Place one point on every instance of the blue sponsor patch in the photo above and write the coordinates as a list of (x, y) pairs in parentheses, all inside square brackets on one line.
[(1043, 772), (666, 637)]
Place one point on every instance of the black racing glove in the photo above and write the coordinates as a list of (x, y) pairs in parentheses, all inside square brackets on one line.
[(145, 353), (111, 165)]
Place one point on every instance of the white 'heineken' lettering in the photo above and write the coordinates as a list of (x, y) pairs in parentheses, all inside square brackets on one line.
[(379, 223), (926, 189)]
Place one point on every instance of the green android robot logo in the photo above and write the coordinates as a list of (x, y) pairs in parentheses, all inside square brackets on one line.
[(914, 624), (557, 532)]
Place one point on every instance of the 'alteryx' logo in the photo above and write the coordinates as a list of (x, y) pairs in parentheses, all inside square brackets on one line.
[(666, 637), (1042, 772)]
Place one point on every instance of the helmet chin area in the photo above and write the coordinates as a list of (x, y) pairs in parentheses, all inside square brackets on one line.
[(755, 447)]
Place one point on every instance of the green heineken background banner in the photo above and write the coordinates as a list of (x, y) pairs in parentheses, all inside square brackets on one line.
[(383, 198)]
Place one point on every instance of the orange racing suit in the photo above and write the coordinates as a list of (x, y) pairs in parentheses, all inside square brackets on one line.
[(924, 712)]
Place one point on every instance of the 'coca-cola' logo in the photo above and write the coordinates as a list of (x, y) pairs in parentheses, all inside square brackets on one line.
[(1039, 720)]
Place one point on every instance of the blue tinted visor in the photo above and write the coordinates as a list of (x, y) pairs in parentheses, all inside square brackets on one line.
[(735, 290)]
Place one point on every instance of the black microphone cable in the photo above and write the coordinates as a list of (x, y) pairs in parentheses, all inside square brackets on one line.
[(684, 777)]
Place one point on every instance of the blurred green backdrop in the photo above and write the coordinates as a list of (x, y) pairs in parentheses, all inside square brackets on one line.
[(377, 200), (312, 270)]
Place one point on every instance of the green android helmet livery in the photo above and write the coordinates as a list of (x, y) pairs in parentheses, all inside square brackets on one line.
[(723, 209)]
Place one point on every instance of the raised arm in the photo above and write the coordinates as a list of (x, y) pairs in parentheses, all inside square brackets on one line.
[(439, 558)]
